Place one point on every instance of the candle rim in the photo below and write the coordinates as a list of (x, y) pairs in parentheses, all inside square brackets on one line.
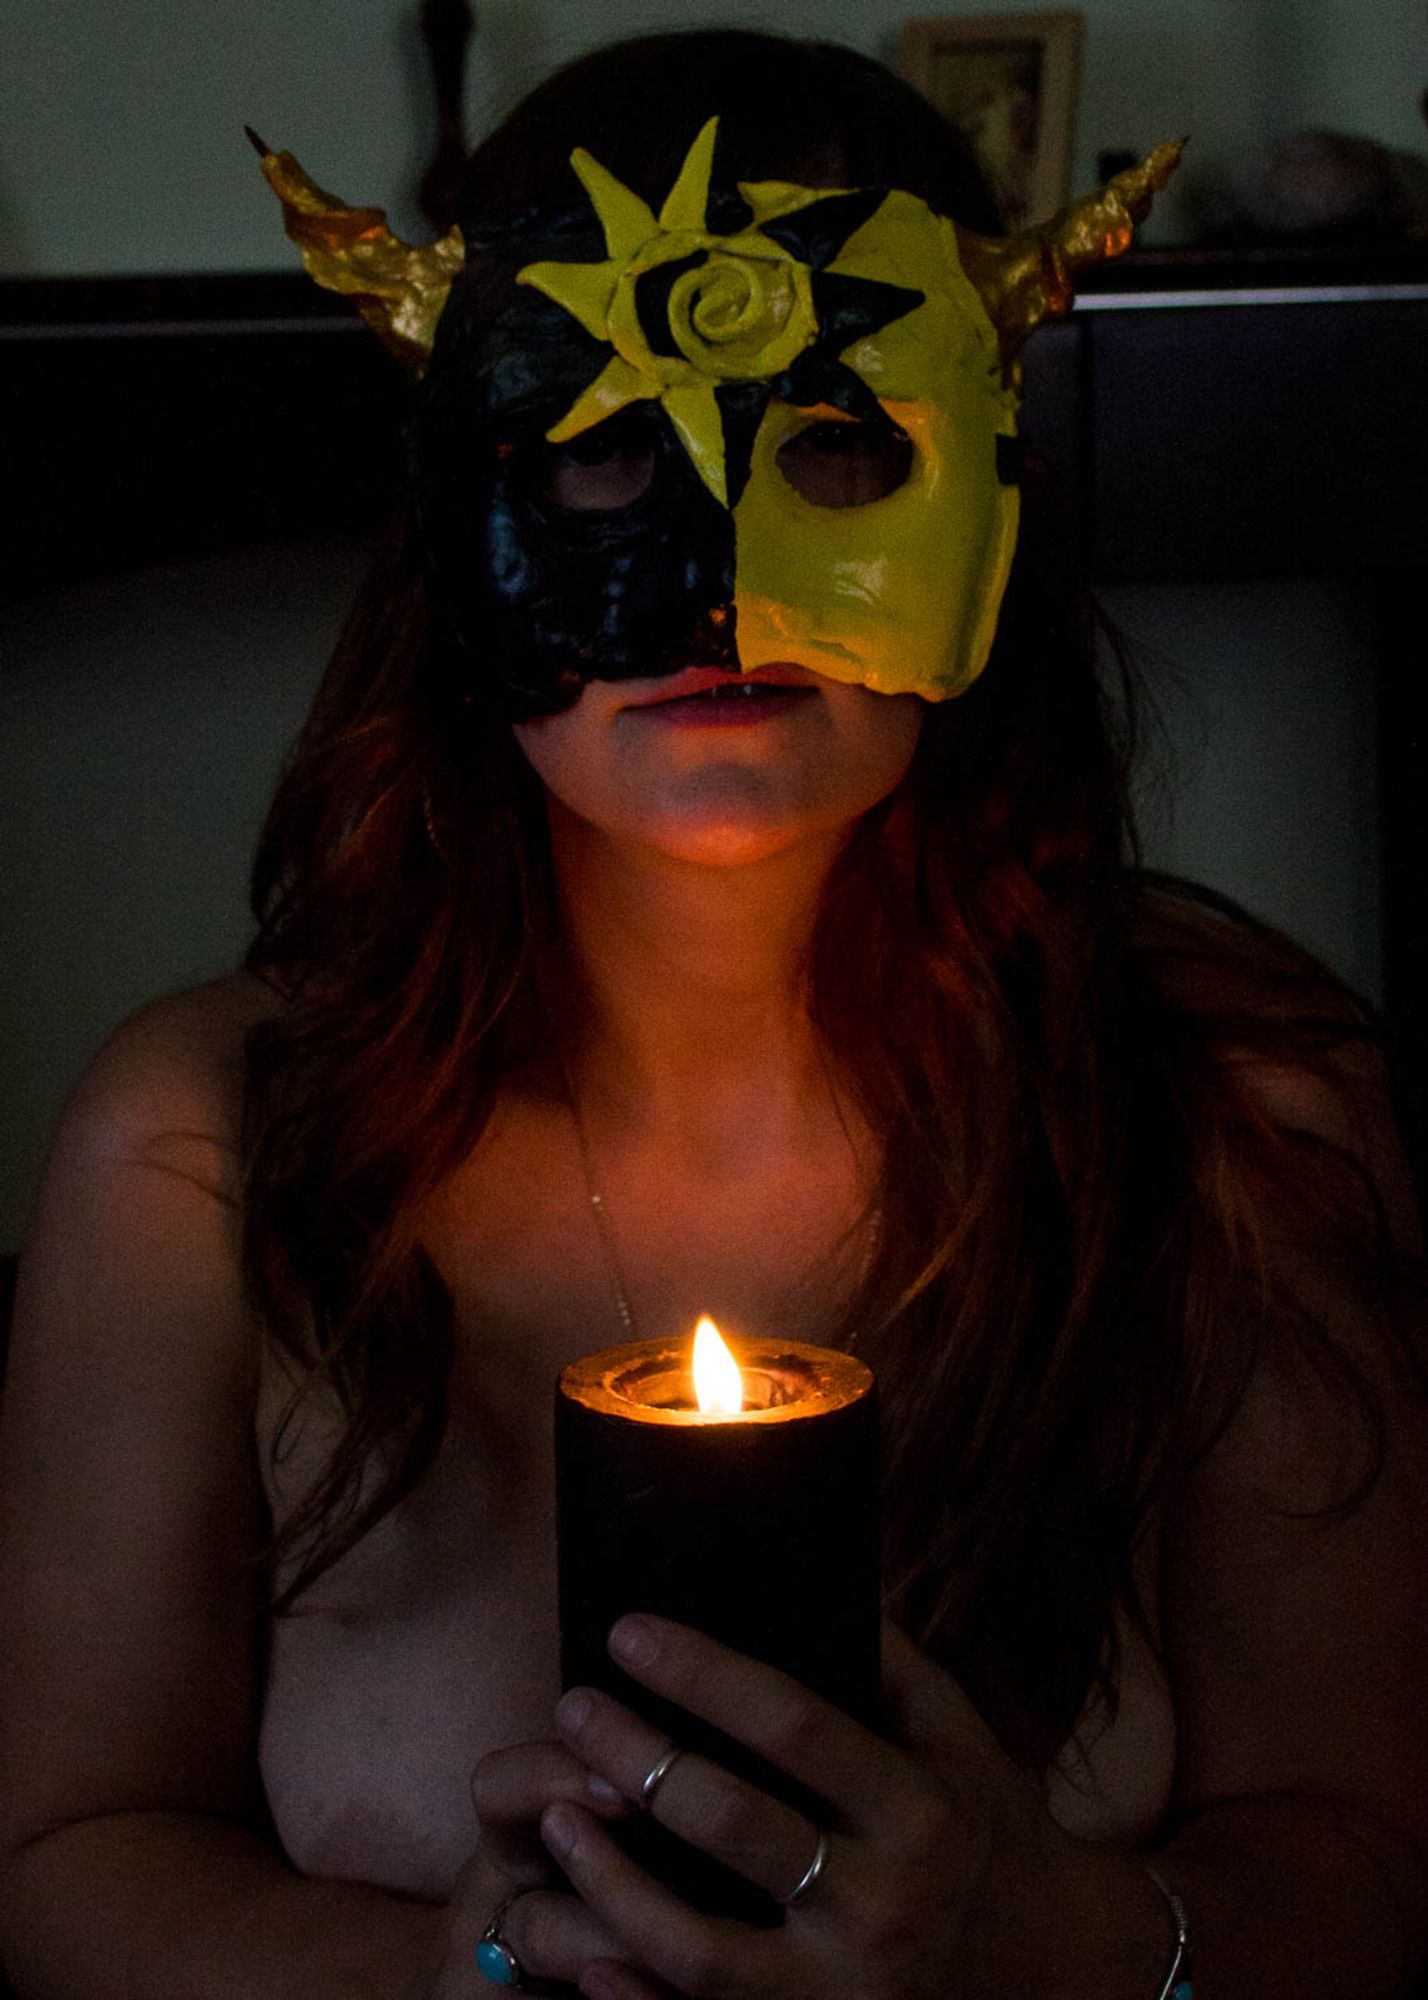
[(841, 1380)]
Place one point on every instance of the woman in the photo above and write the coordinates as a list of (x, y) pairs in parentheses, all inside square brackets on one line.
[(602, 982)]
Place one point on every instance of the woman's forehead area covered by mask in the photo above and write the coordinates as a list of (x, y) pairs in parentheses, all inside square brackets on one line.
[(679, 353)]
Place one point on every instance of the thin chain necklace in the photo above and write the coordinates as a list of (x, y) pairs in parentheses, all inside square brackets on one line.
[(604, 1229)]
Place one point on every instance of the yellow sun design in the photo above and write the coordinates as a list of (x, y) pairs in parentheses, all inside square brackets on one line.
[(741, 310)]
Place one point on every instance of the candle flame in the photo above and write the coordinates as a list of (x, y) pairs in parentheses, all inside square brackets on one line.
[(718, 1385)]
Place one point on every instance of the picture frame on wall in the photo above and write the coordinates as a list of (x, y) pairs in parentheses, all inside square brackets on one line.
[(1010, 83)]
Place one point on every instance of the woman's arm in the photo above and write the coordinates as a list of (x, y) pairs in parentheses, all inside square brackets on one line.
[(1297, 1629), (135, 1856), (172, 1906)]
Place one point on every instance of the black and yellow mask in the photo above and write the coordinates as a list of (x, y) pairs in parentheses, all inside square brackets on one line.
[(770, 423)]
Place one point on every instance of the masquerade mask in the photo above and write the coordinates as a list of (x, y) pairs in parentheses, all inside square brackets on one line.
[(771, 426)]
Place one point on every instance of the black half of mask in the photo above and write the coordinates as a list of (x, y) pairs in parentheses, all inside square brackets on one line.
[(538, 585)]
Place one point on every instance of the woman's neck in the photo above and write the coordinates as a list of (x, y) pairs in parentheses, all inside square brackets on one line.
[(693, 1014)]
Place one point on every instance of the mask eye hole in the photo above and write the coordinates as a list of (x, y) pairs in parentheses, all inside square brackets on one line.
[(607, 467), (837, 463)]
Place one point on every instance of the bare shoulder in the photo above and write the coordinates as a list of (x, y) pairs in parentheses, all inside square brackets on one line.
[(1208, 957), (1300, 1052), (169, 1081), (1301, 1152), (136, 1224)]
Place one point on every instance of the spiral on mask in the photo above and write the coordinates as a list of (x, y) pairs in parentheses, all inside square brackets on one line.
[(742, 317)]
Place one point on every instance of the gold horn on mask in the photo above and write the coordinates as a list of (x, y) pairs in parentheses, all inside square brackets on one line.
[(1026, 279), (398, 290)]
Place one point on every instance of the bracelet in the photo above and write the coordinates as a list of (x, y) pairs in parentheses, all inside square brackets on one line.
[(1176, 1984)]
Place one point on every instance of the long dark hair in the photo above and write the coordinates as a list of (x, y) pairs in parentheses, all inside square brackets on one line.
[(1070, 1288)]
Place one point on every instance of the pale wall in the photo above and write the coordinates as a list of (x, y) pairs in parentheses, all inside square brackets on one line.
[(121, 146)]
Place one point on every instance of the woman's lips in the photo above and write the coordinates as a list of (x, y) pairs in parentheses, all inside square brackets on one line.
[(696, 698)]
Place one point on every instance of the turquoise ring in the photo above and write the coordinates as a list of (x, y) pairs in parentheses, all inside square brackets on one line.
[(495, 1961)]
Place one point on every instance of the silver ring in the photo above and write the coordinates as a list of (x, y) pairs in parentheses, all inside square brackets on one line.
[(656, 1775), (810, 1874), (495, 1961)]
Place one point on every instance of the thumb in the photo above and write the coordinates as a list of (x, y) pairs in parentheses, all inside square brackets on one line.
[(925, 1703)]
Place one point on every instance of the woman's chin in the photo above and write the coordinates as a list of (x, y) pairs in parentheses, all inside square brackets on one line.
[(732, 848), (723, 797), (722, 840)]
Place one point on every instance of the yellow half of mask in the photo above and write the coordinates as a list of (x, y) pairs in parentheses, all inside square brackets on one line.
[(901, 593)]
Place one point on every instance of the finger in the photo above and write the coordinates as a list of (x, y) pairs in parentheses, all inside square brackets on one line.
[(483, 1890), (933, 1715), (870, 1783), (604, 1980), (759, 1837), (694, 1954), (927, 1704), (510, 1787), (553, 1936)]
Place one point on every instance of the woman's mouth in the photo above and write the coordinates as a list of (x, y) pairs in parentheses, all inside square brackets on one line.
[(709, 697)]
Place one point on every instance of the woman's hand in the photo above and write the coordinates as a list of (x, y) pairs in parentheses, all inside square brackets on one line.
[(551, 1932), (944, 1873)]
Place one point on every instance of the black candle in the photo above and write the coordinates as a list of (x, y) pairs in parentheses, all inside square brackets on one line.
[(759, 1527)]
